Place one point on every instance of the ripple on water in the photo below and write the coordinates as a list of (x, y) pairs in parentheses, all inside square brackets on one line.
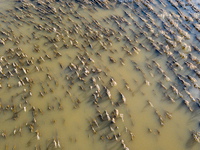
[(101, 75)]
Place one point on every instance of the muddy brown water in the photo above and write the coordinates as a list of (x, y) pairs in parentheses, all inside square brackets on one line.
[(50, 77)]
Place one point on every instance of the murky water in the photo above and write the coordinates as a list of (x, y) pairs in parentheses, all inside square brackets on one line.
[(83, 76)]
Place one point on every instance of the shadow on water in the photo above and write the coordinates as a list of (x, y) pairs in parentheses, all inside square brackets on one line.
[(193, 140)]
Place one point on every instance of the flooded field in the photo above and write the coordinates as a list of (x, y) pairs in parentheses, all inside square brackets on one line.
[(104, 75)]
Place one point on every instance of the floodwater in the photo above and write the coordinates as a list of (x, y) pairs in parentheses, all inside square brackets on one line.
[(79, 76)]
